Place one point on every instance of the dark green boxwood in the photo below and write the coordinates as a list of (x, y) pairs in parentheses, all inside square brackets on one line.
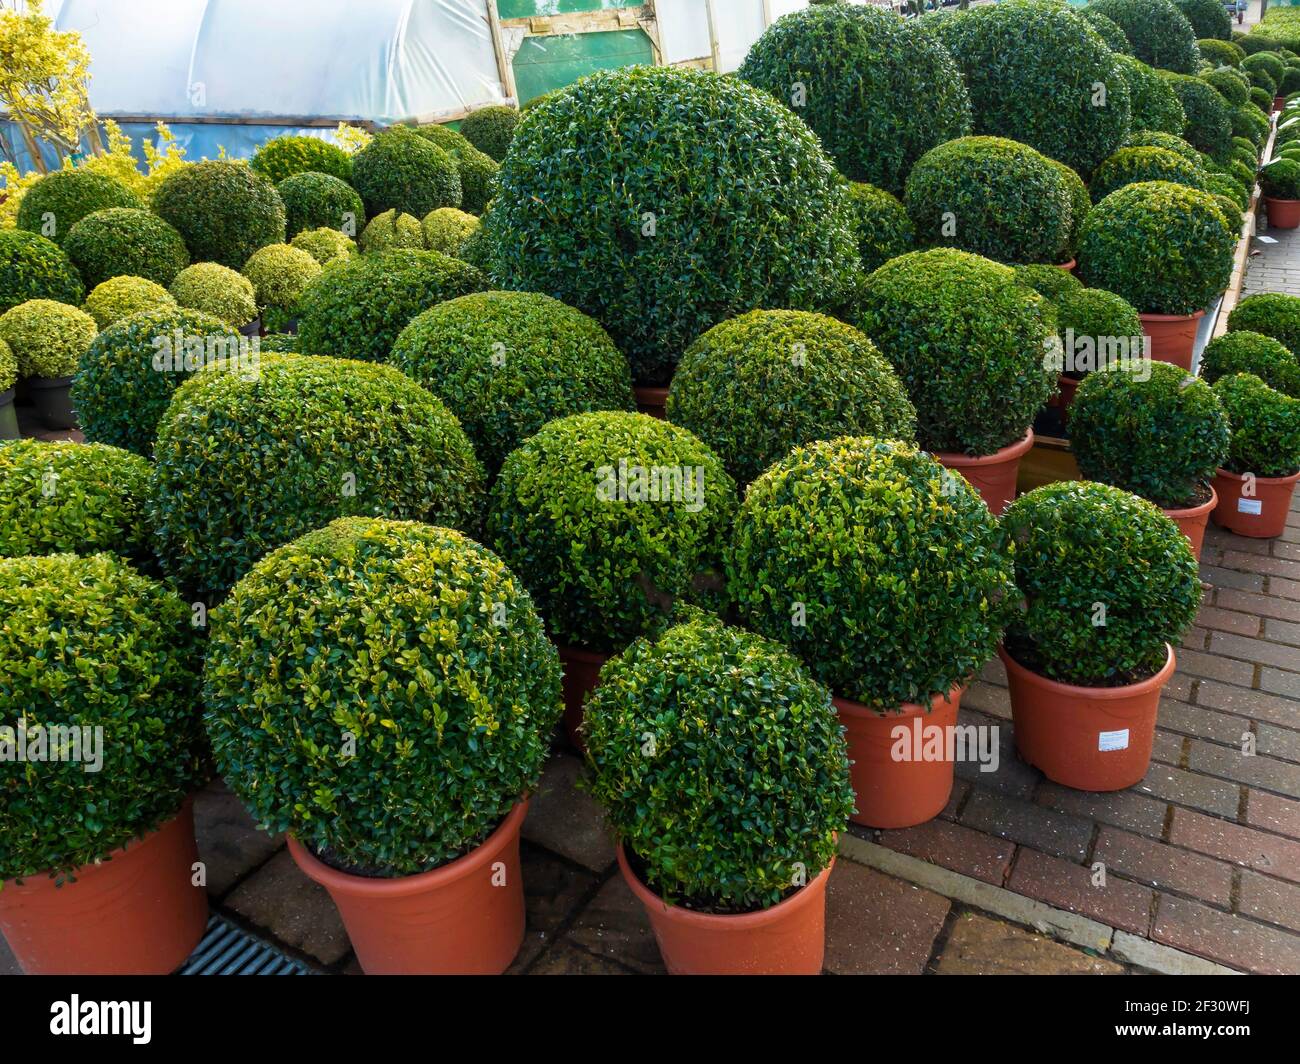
[(1235, 91), (401, 170), (1165, 248), (1243, 351), (756, 386), (1274, 314), (506, 363), (1159, 33), (126, 241), (1265, 426), (491, 129), (1221, 52), (969, 342), (283, 157), (384, 764), (1248, 122), (1244, 150), (1290, 81), (224, 210), (1241, 173), (1262, 99), (1208, 18), (247, 462), (580, 513), (1050, 282), (883, 229), (1131, 165), (356, 307), (87, 642), (879, 92), (1270, 64), (1108, 30), (743, 736), (882, 571), (477, 170), (744, 207), (319, 201), (60, 199), (1155, 139), (1087, 553), (32, 267), (1153, 104), (1080, 205), (1107, 320), (118, 391), (1280, 179), (1209, 118)]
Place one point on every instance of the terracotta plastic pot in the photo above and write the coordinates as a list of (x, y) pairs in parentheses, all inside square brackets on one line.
[(8, 417), (1069, 386), (1173, 336), (465, 918), (787, 939), (895, 793), (992, 475), (136, 913), (651, 400), (1282, 213), (53, 402), (1068, 267), (581, 674), (1191, 522), (1088, 738), (1259, 516), (1279, 102)]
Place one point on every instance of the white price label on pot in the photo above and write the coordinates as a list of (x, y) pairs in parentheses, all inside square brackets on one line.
[(1250, 506), (1113, 740)]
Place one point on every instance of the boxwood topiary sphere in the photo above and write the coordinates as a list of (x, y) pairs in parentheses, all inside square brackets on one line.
[(491, 129), (969, 342), (32, 267), (391, 230), (1159, 33), (1131, 165), (8, 367), (881, 224), (224, 210), (1209, 118), (506, 363), (893, 566), (477, 170), (1267, 63), (319, 201), (1108, 30), (1151, 138), (47, 338), (1243, 351), (1109, 321), (1080, 546), (1033, 69), (1235, 91), (879, 92), (126, 377), (1080, 205), (126, 241), (279, 275), (720, 701), (450, 730), (1153, 104), (1274, 314), (1265, 426), (59, 200), (1262, 99), (1280, 179), (356, 308), (1050, 282), (757, 386), (1249, 123), (325, 245), (120, 297), (609, 517), (400, 170), (714, 200), (1165, 248), (1208, 18), (1151, 429), (217, 290), (90, 643), (1221, 52), (991, 196), (283, 157), (447, 229)]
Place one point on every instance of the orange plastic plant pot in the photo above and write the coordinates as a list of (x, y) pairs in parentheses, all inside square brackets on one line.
[(1173, 336), (1260, 515), (992, 475), (1191, 521)]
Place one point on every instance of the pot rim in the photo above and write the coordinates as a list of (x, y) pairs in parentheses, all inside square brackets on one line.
[(904, 710), (1170, 317), (1185, 512), (1005, 454), (651, 392), (1067, 266), (587, 657), (1227, 474), (401, 886), (48, 382), (1280, 199), (1106, 694)]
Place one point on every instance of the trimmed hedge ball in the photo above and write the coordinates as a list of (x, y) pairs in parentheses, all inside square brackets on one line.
[(1050, 282), (1159, 33), (280, 274), (120, 297), (217, 290), (1131, 165), (1228, 85), (1108, 30), (446, 229), (1274, 314), (319, 201), (491, 129), (125, 241), (59, 200), (477, 170), (1243, 351), (401, 170), (32, 267), (224, 210), (47, 338), (1209, 117), (1208, 18), (391, 230), (1151, 138), (8, 367), (1153, 104), (283, 157), (1280, 179), (1221, 52), (325, 245), (1107, 320), (1265, 426)]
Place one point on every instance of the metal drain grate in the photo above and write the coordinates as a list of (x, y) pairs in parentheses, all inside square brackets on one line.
[(228, 950)]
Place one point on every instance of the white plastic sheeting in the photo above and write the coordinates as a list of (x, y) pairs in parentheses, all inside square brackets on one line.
[(684, 27)]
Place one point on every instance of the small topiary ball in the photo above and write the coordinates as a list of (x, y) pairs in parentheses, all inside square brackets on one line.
[(88, 643), (8, 368), (1234, 89), (59, 200), (32, 267), (757, 386), (1243, 351), (1265, 426), (477, 170), (224, 210), (319, 201), (1221, 52), (1151, 138), (401, 170), (1262, 99), (1151, 429), (325, 245), (1131, 165), (447, 229), (1280, 179), (391, 230), (1270, 66), (1108, 30), (1165, 248), (78, 498), (609, 518), (301, 442), (1208, 19), (491, 129), (1274, 314), (282, 157), (1084, 547), (120, 297), (47, 338), (217, 290), (506, 363), (1096, 327), (1221, 185), (969, 342), (1209, 117), (451, 730), (279, 275), (879, 569), (1153, 104), (990, 196), (1050, 282), (1157, 30), (731, 701), (126, 241), (126, 377)]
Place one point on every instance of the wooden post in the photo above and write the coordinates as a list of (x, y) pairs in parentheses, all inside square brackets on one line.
[(505, 70), (767, 13), (714, 48)]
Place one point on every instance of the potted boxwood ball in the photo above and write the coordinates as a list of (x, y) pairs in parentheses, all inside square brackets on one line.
[(32, 267), (1152, 429), (723, 770), (97, 851), (1130, 165), (1257, 481), (1101, 319), (125, 240), (1244, 351), (225, 210), (60, 199), (1274, 314), (384, 692), (279, 275), (976, 352), (610, 518), (1280, 181), (120, 297), (48, 339), (220, 291), (1110, 585), (887, 575), (8, 378)]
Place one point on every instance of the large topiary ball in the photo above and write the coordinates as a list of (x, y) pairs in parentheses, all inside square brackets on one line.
[(1039, 73), (1209, 117), (1108, 30), (47, 338), (714, 199), (247, 462), (1224, 52), (1208, 18), (491, 129), (450, 731), (883, 229), (1159, 32), (126, 241), (1243, 351), (1229, 84), (883, 572), (1050, 282), (1274, 314), (879, 92), (755, 387), (447, 229), (89, 643), (217, 290), (506, 363), (325, 245), (120, 297), (477, 170), (969, 342), (391, 230), (224, 210), (59, 200), (126, 377), (1265, 426), (609, 518), (1153, 104), (401, 170), (319, 201), (283, 157), (32, 267), (357, 307), (280, 275), (1151, 138), (1131, 165), (991, 196)]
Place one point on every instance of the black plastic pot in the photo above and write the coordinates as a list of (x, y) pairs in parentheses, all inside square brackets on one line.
[(8, 416), (253, 328), (49, 395)]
